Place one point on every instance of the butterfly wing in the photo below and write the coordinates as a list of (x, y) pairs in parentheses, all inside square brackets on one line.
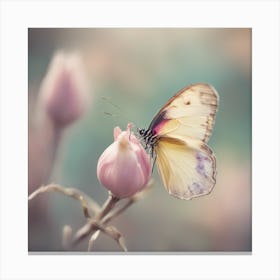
[(187, 170), (188, 114), (183, 126)]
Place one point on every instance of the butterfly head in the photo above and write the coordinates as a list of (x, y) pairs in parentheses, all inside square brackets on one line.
[(149, 139), (141, 132)]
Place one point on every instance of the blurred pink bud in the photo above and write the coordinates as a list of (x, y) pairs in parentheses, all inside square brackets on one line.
[(124, 168), (63, 92)]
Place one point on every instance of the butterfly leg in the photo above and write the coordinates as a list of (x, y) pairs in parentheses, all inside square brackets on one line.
[(154, 161)]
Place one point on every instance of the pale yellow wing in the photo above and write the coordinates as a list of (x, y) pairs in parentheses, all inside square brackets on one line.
[(188, 114), (187, 169)]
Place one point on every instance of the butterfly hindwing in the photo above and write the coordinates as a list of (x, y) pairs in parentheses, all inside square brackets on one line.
[(187, 171)]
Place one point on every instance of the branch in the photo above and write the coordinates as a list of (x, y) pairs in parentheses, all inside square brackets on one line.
[(110, 231), (88, 204)]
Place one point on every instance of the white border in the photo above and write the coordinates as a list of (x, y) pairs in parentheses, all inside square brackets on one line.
[(17, 16)]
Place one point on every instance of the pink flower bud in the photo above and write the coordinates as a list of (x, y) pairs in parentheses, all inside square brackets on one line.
[(124, 168), (63, 91)]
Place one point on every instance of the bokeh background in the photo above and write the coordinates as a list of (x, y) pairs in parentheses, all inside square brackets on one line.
[(136, 71)]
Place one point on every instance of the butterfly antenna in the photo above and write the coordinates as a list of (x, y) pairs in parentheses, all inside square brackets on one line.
[(110, 102), (109, 114), (120, 110)]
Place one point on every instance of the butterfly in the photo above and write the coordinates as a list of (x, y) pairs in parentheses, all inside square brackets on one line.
[(177, 139)]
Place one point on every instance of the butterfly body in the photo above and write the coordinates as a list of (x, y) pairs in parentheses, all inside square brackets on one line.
[(178, 137)]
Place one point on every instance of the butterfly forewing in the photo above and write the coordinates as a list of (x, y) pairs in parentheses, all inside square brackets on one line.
[(189, 113)]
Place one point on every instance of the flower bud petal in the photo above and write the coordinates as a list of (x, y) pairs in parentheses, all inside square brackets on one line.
[(124, 168), (63, 92), (117, 132)]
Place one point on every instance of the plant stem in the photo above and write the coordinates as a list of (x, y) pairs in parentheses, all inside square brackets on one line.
[(107, 206), (91, 225)]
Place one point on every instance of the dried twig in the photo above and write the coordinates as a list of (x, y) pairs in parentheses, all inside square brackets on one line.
[(113, 233), (92, 239), (90, 207), (107, 206), (66, 237), (97, 217)]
